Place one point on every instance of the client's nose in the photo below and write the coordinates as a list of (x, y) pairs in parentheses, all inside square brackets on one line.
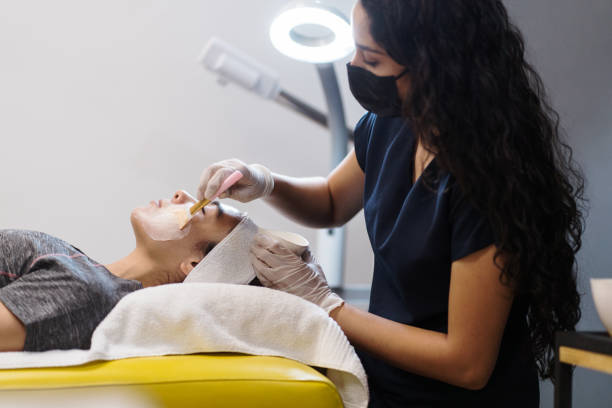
[(181, 197)]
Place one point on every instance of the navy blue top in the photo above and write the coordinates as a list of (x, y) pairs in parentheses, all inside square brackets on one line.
[(416, 232)]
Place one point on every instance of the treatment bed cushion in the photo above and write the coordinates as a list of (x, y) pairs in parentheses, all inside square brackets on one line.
[(202, 380)]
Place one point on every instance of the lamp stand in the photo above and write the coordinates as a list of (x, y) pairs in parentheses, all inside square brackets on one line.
[(331, 241)]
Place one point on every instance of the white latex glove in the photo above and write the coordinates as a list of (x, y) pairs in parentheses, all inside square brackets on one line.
[(257, 181), (279, 268)]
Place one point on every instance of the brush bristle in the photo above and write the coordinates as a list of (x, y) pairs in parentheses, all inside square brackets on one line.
[(183, 219)]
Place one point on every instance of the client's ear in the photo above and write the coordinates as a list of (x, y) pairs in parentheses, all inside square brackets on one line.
[(190, 262)]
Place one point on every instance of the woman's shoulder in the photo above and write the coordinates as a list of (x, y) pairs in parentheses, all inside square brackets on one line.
[(376, 134), (371, 122), (24, 234), (15, 236), (20, 240)]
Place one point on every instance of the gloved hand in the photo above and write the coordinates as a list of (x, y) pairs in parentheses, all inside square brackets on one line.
[(279, 268), (257, 181)]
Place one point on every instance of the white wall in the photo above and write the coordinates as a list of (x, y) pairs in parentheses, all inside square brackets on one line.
[(104, 107)]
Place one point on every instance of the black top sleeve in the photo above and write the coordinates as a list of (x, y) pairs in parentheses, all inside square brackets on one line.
[(470, 230)]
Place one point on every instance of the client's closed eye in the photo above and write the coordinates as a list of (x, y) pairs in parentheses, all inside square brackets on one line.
[(210, 247)]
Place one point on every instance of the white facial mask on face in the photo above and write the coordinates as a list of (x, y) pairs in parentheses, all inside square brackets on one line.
[(228, 262), (163, 224)]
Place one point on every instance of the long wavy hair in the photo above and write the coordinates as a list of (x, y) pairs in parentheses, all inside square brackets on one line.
[(481, 107)]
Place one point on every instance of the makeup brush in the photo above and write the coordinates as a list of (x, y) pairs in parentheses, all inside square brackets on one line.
[(230, 181)]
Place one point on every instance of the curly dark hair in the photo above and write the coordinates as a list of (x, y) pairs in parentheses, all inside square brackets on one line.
[(477, 103)]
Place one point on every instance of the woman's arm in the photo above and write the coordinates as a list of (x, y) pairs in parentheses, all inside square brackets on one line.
[(321, 202), (12, 331), (478, 309)]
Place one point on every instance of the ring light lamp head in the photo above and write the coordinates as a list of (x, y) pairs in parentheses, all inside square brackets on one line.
[(312, 32)]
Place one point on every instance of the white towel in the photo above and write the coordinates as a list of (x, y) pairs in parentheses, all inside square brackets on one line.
[(228, 262), (215, 317)]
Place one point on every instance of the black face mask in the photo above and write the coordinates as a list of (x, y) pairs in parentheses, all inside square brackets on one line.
[(376, 94)]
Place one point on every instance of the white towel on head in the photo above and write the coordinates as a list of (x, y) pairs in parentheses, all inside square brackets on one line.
[(228, 262)]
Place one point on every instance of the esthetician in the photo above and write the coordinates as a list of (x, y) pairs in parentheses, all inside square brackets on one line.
[(472, 205)]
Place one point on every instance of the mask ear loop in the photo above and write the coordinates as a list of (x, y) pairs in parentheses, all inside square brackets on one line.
[(404, 72)]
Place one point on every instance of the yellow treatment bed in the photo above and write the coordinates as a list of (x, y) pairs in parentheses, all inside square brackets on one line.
[(216, 380)]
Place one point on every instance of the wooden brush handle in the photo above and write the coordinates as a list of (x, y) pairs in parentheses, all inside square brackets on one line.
[(198, 206)]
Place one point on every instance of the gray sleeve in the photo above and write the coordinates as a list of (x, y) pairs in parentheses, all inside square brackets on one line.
[(58, 310)]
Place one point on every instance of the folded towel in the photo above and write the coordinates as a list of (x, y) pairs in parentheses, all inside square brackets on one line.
[(228, 262), (216, 317)]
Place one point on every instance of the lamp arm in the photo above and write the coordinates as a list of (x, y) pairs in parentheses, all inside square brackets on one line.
[(292, 102)]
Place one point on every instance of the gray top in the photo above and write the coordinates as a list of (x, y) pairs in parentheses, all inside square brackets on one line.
[(58, 292)]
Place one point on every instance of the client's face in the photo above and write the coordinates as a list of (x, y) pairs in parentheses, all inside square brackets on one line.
[(156, 228)]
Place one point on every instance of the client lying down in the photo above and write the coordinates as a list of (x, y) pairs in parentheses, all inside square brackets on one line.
[(52, 295)]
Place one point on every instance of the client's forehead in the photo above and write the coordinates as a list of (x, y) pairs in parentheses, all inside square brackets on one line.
[(230, 211), (222, 223)]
